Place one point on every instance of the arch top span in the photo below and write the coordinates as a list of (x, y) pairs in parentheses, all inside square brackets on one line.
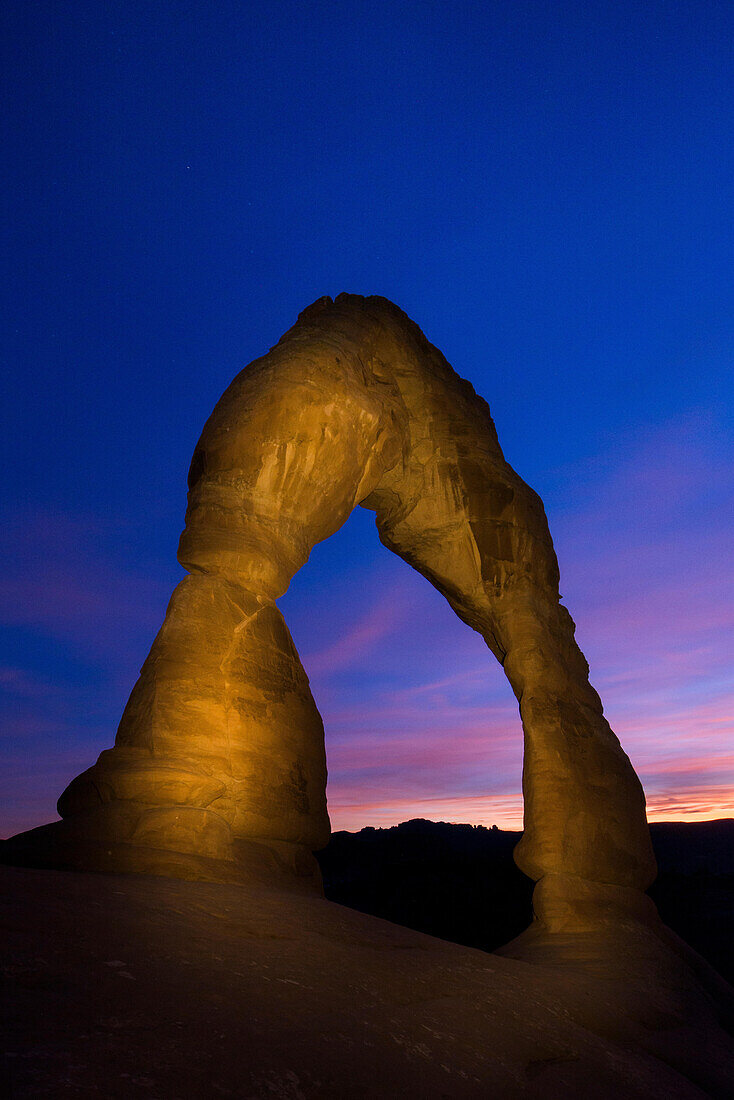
[(219, 758)]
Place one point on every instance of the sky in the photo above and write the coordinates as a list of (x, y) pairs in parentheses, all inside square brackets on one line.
[(545, 187)]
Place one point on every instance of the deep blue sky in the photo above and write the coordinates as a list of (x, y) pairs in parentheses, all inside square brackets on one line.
[(546, 188)]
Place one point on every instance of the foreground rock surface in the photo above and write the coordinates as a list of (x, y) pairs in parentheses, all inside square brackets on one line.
[(125, 986)]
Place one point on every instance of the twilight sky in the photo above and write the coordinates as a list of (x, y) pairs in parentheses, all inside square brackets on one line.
[(545, 187)]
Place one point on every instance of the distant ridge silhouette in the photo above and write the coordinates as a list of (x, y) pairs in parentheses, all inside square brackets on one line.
[(459, 882)]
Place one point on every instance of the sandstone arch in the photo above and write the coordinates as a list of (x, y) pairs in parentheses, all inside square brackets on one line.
[(218, 769)]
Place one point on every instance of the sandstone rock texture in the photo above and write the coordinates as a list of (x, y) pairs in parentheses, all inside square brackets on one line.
[(127, 987), (218, 770)]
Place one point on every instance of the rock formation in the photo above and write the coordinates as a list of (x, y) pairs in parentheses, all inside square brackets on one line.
[(218, 770)]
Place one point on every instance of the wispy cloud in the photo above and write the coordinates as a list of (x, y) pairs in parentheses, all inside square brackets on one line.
[(705, 802), (359, 640), (64, 577), (75, 621)]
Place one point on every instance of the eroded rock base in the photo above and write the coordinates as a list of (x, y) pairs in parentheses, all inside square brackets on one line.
[(67, 846)]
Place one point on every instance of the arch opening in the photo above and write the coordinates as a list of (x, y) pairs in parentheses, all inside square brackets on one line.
[(419, 719)]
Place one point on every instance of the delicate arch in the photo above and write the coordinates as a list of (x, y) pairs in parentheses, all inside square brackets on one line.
[(218, 769)]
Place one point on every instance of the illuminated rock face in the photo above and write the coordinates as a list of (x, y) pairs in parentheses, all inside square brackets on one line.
[(218, 769)]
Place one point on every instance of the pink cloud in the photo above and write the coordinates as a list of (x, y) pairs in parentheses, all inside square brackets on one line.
[(432, 752), (85, 600), (359, 640), (503, 810), (703, 802), (20, 682)]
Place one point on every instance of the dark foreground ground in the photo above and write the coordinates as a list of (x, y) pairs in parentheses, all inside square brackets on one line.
[(125, 986), (460, 883)]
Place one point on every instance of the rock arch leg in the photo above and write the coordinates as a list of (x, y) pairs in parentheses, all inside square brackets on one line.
[(218, 768), (456, 511), (219, 757), (584, 805), (586, 840)]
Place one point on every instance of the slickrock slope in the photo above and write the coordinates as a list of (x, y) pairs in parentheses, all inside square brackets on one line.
[(127, 986)]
